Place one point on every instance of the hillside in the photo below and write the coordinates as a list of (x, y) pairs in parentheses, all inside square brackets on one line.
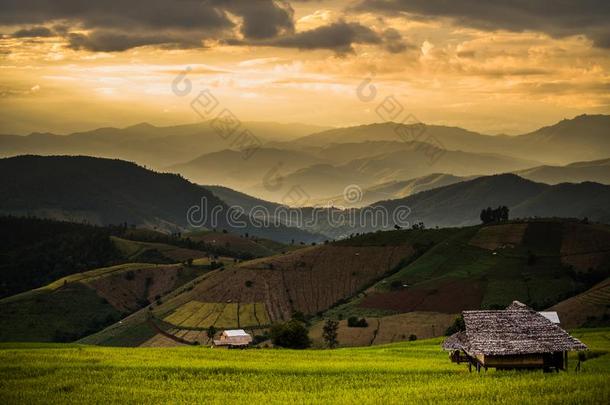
[(460, 204), (83, 303), (488, 267), (256, 293), (35, 252), (588, 309), (403, 282), (103, 191)]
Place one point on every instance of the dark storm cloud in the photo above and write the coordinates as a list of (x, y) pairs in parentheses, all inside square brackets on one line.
[(338, 36), (116, 25), (262, 19), (33, 32), (109, 41), (556, 18)]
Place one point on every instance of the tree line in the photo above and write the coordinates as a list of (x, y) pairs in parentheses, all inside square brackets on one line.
[(491, 215)]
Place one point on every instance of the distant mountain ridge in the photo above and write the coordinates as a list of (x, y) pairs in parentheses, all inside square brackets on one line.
[(145, 143), (596, 171), (585, 137)]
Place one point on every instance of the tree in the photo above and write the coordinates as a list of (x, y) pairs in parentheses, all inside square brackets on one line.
[(292, 334), (329, 333), (458, 326), (211, 332)]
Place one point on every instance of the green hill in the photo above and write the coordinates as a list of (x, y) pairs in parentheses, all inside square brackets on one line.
[(490, 266), (104, 191), (83, 303)]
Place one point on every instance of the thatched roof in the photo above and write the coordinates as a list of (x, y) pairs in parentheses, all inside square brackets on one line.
[(515, 330), (517, 305), (455, 341)]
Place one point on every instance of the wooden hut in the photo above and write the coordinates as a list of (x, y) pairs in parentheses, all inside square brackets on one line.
[(517, 337), (233, 338)]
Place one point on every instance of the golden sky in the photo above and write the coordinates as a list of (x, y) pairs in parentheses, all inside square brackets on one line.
[(484, 66)]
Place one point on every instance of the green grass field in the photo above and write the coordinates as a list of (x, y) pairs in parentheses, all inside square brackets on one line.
[(414, 372)]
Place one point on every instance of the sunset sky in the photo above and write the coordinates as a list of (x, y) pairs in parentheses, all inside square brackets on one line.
[(490, 66)]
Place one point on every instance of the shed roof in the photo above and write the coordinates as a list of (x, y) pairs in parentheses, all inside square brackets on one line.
[(236, 332), (551, 316), (509, 332)]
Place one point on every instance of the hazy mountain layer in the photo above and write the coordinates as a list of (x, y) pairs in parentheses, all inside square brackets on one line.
[(586, 137), (146, 144)]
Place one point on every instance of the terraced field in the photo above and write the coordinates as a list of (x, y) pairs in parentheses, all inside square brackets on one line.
[(155, 252), (387, 329), (590, 308), (201, 315), (491, 266)]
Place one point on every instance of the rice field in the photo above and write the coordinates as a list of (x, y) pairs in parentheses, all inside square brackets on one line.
[(200, 315), (413, 372)]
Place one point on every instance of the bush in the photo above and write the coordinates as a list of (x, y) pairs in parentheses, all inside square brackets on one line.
[(458, 326), (412, 338), (299, 316), (249, 283), (354, 322), (292, 334)]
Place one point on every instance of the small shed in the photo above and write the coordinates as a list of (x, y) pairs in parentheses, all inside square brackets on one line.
[(233, 338), (517, 337)]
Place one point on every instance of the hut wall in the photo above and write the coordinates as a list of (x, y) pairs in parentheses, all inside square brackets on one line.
[(517, 361)]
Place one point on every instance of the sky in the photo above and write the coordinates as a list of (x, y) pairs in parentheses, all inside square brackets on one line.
[(495, 67)]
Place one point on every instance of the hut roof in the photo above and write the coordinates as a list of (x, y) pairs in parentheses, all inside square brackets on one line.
[(509, 332), (517, 305), (455, 341)]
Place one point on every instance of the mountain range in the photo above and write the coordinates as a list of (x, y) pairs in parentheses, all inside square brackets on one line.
[(321, 163), (104, 191)]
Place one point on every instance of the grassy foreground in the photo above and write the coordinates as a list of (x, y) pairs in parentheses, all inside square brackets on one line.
[(398, 373)]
